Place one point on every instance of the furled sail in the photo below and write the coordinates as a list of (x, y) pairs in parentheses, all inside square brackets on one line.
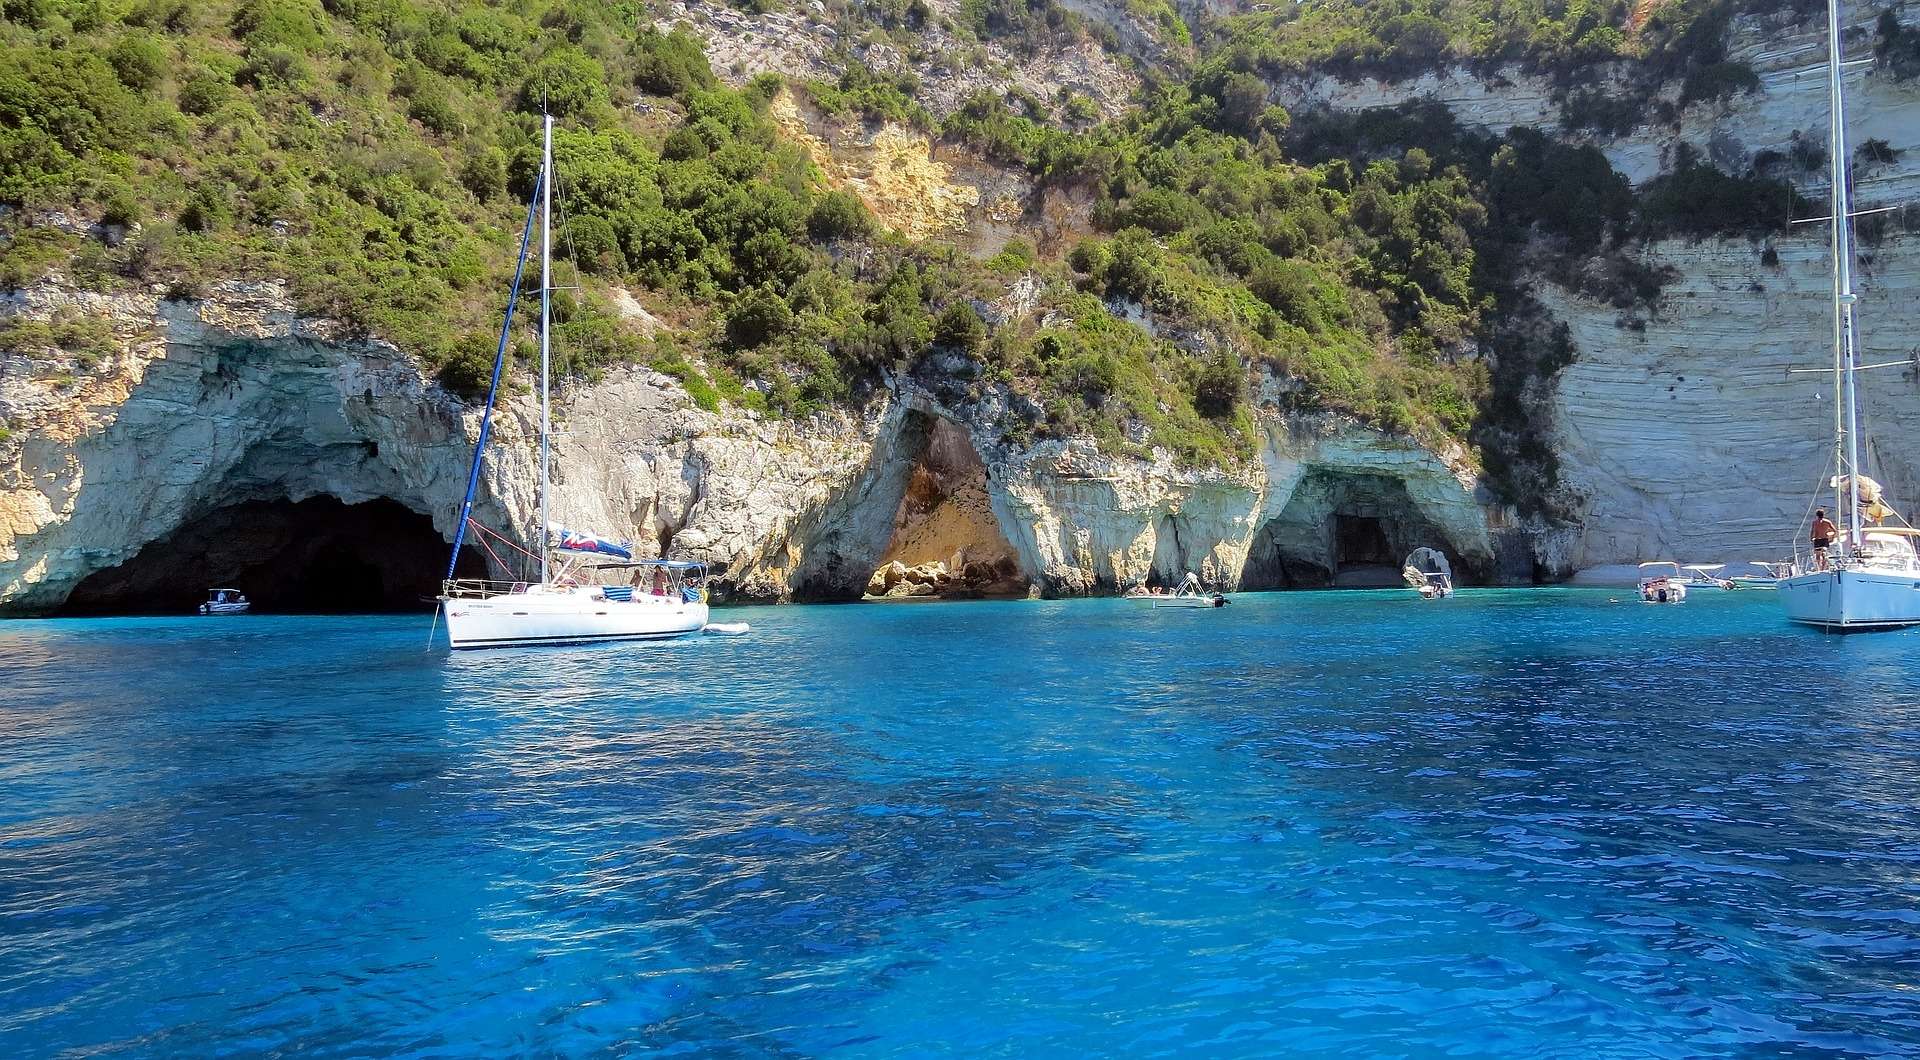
[(1873, 503)]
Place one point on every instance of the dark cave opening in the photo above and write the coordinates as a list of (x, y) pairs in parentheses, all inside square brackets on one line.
[(1360, 540), (319, 555), (1341, 529)]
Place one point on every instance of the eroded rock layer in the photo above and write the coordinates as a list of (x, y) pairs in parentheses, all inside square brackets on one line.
[(236, 400)]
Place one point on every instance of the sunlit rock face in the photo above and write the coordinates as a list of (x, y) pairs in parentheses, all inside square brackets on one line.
[(209, 407), (200, 407), (1705, 436), (1693, 433), (235, 399)]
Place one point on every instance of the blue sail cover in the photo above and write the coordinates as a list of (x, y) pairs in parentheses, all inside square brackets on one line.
[(581, 541)]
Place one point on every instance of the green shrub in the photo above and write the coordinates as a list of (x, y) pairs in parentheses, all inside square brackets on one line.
[(684, 145), (566, 82), (758, 316), (121, 207), (839, 215), (670, 64), (204, 93), (1219, 386), (1715, 81), (959, 328), (468, 368), (297, 25), (1698, 200), (138, 60), (871, 94), (1896, 48)]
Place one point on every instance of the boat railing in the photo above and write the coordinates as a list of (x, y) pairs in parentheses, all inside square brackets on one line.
[(467, 588)]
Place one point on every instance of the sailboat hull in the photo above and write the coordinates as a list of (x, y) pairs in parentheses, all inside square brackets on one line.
[(524, 619), (1847, 600)]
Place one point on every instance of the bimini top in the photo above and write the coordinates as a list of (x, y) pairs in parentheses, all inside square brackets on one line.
[(581, 541)]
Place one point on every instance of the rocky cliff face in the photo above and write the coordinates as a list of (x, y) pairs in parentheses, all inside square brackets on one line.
[(1700, 436), (209, 406), (1684, 434), (1688, 435)]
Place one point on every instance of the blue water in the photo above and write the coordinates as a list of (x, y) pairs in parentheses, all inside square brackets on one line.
[(1545, 822)]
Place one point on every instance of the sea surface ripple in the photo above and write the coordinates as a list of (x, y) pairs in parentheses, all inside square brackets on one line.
[(1526, 823)]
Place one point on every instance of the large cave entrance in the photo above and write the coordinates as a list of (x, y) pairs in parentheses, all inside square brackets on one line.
[(946, 542), (316, 555), (1341, 530)]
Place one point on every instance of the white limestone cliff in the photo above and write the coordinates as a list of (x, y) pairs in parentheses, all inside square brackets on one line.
[(236, 398)]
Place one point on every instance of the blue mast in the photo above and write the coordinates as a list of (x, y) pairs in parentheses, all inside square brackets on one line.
[(499, 358)]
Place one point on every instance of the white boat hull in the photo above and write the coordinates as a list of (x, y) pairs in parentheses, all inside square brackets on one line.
[(1187, 601), (224, 609), (572, 617), (1852, 599)]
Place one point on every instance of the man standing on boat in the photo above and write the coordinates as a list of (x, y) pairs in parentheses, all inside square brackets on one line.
[(1823, 534)]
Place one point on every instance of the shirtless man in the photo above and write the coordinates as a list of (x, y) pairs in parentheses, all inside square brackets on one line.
[(1823, 534)]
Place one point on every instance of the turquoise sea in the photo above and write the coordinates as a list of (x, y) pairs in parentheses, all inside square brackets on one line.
[(1545, 822)]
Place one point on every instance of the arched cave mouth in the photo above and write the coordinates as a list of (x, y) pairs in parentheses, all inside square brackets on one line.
[(1340, 529), (946, 541), (319, 555)]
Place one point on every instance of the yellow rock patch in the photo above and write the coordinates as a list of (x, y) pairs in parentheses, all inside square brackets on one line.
[(893, 172)]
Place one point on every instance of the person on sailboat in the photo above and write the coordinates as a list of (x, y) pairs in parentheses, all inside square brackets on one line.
[(1823, 534)]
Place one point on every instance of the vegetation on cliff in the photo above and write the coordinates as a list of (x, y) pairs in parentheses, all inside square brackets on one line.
[(378, 155)]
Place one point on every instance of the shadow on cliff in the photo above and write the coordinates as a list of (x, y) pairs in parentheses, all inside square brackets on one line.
[(315, 555)]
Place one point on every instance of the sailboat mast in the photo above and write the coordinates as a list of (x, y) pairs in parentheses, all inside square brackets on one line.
[(1843, 297), (546, 286)]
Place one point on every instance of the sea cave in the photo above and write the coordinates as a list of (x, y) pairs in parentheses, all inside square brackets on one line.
[(920, 525), (315, 555), (1341, 529)]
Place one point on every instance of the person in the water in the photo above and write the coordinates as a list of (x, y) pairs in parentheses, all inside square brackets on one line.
[(1823, 535)]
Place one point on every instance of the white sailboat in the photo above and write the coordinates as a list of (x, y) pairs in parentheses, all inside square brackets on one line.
[(568, 604), (1872, 578)]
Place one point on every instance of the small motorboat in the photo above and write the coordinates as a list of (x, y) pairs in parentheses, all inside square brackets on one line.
[(225, 602), (1190, 594), (1428, 572), (1430, 584), (1707, 576), (1662, 583)]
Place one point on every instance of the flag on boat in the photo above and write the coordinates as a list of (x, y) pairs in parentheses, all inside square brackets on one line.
[(581, 541)]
